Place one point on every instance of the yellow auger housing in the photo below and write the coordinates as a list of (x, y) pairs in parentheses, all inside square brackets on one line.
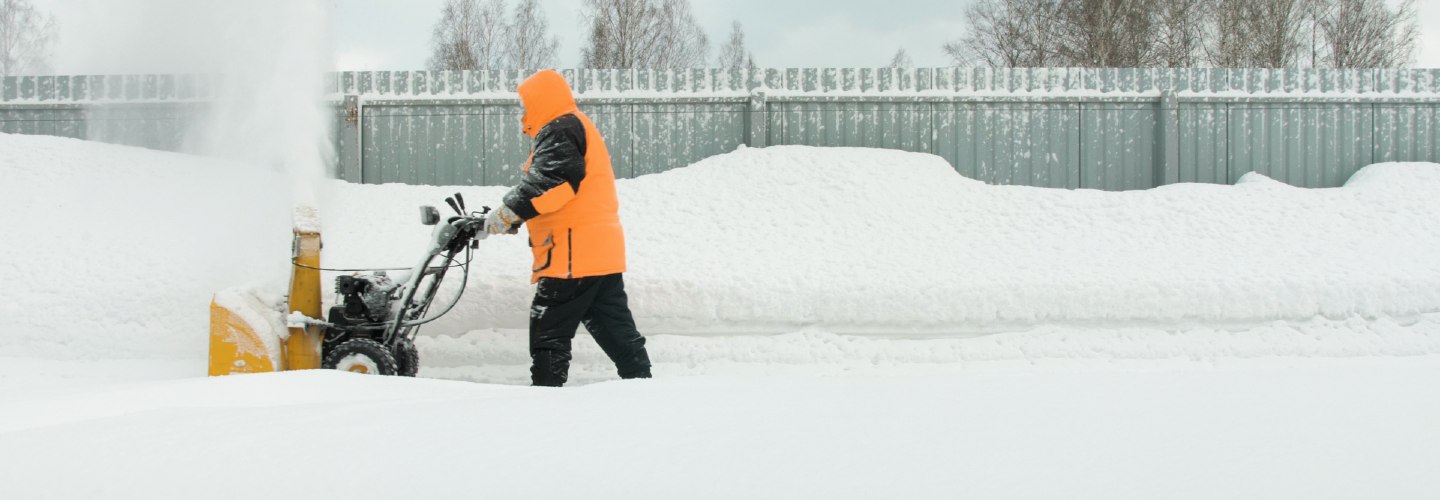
[(248, 335)]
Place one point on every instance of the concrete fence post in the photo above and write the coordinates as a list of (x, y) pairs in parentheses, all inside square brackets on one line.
[(756, 121), (1167, 169), (351, 155)]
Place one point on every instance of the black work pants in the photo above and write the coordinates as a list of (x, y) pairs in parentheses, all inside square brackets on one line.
[(599, 302)]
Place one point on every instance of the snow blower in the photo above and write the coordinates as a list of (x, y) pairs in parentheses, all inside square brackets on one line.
[(373, 325)]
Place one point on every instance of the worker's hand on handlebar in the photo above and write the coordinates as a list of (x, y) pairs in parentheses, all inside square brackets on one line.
[(502, 221)]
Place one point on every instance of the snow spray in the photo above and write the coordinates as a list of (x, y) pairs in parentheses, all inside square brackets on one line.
[(266, 63)]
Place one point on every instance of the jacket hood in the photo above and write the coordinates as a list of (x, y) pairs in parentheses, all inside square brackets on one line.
[(546, 96)]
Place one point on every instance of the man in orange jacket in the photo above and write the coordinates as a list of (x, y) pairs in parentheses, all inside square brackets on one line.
[(567, 201)]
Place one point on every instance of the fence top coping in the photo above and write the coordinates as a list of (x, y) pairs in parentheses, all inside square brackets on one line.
[(779, 82)]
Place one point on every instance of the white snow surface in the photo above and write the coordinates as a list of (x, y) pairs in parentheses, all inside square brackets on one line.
[(767, 241), (115, 252), (1313, 429), (824, 324), (878, 242)]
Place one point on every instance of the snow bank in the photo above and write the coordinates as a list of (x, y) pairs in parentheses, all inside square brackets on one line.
[(760, 241), (114, 252), (1402, 178), (884, 242)]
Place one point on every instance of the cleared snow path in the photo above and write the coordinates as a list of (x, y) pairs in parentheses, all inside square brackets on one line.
[(501, 356), (1314, 429)]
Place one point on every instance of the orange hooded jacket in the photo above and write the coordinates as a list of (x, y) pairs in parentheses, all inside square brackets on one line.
[(567, 194)]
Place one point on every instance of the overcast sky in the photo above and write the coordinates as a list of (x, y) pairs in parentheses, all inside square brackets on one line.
[(395, 34), (782, 33)]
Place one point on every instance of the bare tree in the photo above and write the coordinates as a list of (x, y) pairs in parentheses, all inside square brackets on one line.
[(682, 43), (1278, 24), (618, 33), (644, 34), (1188, 33), (1258, 33), (531, 45), (451, 37), (901, 59), (26, 36), (1179, 32), (1106, 33), (734, 54), (1368, 34), (471, 34), (960, 54), (1310, 31), (1010, 33), (1228, 46)]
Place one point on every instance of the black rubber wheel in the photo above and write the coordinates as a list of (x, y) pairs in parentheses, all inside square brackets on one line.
[(361, 356), (407, 358)]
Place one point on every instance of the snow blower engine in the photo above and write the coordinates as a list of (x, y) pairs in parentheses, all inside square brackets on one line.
[(371, 328)]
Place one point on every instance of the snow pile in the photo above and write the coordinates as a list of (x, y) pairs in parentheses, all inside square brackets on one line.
[(115, 252), (1399, 178), (884, 242), (760, 241), (872, 241)]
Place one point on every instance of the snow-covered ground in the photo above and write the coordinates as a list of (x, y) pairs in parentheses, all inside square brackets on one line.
[(1356, 429), (827, 323)]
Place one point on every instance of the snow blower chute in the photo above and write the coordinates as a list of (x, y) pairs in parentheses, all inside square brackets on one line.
[(371, 328)]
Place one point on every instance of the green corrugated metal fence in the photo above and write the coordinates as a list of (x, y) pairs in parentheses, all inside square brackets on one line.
[(1112, 129)]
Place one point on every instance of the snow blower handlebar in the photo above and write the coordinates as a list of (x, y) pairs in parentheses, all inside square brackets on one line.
[(459, 233)]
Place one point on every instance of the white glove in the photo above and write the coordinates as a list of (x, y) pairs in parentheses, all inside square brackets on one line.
[(501, 221)]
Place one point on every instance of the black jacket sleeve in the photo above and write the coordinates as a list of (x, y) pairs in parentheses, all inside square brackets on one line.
[(557, 162)]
